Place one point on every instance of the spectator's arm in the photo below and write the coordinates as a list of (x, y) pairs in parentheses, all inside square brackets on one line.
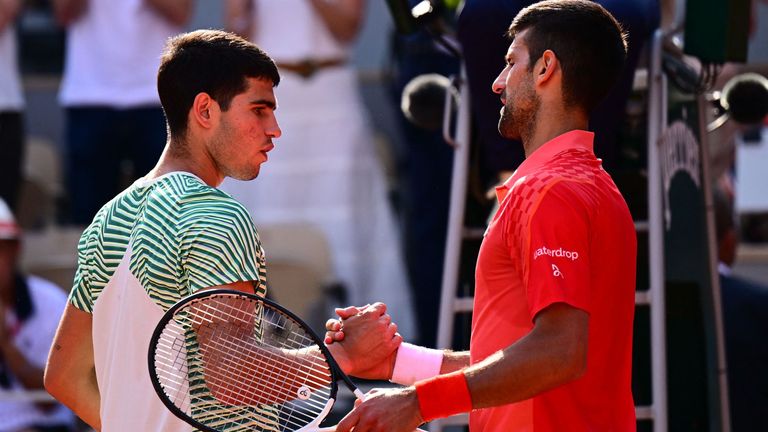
[(8, 11), (342, 17), (70, 375), (30, 376), (238, 17), (68, 11), (177, 12)]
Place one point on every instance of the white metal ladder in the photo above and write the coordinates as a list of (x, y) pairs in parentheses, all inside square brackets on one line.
[(452, 304)]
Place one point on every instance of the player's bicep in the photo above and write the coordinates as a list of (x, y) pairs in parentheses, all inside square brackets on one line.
[(70, 360), (566, 329)]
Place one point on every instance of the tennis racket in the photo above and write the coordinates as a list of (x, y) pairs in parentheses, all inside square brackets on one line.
[(227, 361)]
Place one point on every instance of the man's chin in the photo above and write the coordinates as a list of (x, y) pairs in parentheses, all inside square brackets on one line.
[(245, 176), (507, 133)]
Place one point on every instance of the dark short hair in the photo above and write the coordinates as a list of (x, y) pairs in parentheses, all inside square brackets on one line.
[(589, 43), (210, 61)]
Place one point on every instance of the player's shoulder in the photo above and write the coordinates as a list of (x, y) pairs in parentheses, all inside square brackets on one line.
[(212, 205), (200, 205), (575, 165), (567, 182), (191, 197), (113, 214), (570, 172)]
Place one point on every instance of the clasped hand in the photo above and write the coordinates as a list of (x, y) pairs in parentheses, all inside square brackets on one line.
[(364, 341)]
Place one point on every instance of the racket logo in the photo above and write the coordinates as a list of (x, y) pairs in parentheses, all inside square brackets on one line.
[(304, 393)]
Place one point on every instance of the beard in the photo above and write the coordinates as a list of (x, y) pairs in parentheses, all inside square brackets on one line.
[(520, 112), (226, 158)]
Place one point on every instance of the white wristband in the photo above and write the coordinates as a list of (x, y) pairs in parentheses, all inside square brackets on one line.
[(414, 363)]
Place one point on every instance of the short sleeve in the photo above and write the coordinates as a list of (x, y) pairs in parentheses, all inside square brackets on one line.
[(556, 267), (221, 248), (81, 295)]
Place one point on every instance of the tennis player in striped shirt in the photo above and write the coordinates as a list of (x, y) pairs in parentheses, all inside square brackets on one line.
[(172, 233)]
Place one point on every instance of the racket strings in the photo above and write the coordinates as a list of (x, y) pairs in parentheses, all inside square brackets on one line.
[(240, 332), (234, 362), (233, 335), (283, 367)]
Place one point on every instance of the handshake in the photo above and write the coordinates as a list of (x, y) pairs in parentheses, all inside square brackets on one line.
[(364, 341)]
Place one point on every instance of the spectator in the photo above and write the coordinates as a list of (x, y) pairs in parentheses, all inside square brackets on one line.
[(324, 171), (11, 105), (745, 315), (113, 112), (30, 308)]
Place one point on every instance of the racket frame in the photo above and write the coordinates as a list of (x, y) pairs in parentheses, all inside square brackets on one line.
[(336, 372)]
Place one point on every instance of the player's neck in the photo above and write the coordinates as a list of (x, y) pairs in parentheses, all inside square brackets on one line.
[(552, 125), (181, 157)]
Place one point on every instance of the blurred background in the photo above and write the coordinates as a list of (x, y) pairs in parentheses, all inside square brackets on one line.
[(405, 164)]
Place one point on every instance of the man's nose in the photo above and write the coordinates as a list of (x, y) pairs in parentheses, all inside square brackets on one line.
[(500, 82), (274, 130)]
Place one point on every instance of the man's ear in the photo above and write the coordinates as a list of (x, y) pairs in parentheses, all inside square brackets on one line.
[(546, 66), (205, 111)]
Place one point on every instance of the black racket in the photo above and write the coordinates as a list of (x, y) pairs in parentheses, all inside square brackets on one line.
[(227, 361)]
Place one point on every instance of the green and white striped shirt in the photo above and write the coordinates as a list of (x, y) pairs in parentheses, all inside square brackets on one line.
[(155, 243), (184, 235)]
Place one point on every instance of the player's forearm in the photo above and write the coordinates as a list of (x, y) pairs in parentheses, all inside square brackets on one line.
[(529, 367), (79, 393), (176, 12), (70, 374), (342, 17), (298, 370), (453, 361)]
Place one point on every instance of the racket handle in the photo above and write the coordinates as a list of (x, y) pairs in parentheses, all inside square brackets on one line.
[(360, 395), (333, 429)]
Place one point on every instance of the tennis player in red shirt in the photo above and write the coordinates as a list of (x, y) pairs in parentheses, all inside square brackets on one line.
[(551, 346)]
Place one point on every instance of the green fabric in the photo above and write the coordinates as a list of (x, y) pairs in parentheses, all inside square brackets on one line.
[(184, 236)]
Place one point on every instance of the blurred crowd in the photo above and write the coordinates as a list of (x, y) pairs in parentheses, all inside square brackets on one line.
[(383, 235)]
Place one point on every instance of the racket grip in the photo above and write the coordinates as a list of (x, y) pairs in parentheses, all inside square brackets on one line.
[(358, 394), (333, 429)]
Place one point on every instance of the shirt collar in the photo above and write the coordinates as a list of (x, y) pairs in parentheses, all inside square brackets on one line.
[(575, 139)]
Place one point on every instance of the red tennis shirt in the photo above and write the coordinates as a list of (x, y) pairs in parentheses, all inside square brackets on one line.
[(562, 233)]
